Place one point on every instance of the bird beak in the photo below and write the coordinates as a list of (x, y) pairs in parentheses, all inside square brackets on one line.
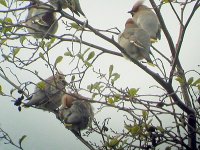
[(131, 12)]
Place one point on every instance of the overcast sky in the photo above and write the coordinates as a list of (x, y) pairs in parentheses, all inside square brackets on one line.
[(44, 131)]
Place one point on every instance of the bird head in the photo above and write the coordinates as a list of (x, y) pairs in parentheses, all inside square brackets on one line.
[(67, 100), (60, 78), (130, 23), (137, 6)]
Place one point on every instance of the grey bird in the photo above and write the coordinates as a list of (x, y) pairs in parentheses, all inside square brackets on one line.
[(135, 41), (146, 19), (41, 20), (73, 5), (75, 113), (48, 93)]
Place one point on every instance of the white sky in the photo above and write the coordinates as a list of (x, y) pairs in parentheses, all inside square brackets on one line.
[(44, 131)]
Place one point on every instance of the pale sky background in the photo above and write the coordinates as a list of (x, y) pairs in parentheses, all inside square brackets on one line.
[(44, 131)]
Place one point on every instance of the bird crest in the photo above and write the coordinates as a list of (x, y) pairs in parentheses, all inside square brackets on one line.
[(136, 6)]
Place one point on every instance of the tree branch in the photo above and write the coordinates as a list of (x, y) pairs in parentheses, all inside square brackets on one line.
[(157, 78)]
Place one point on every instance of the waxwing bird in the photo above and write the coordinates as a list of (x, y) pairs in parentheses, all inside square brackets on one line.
[(146, 19), (75, 113), (135, 41), (48, 93), (41, 20), (73, 5)]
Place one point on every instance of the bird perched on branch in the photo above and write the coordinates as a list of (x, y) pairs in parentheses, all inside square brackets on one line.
[(41, 20), (135, 41), (146, 19), (76, 113), (73, 5), (48, 93)]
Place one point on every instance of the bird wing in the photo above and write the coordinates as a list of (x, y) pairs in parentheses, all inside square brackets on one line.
[(51, 89), (135, 42), (37, 15), (38, 98), (78, 7), (141, 40), (74, 118), (40, 22), (79, 112), (75, 7)]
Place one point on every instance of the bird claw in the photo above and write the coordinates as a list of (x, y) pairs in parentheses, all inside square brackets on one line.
[(67, 125)]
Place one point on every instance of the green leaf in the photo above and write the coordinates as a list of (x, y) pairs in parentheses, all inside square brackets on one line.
[(113, 142), (41, 56), (90, 87), (8, 20), (132, 92), (42, 44), (117, 98), (96, 85), (160, 129), (52, 40), (22, 38), (167, 1), (180, 80), (3, 2), (198, 86), (196, 82), (75, 25), (80, 56), (73, 78), (133, 129), (48, 44), (6, 29), (41, 85), (150, 64), (110, 101), (145, 114), (87, 64), (3, 41), (21, 139), (91, 55), (94, 95), (110, 70), (85, 52), (116, 76), (1, 92), (190, 80), (68, 53), (58, 60), (16, 51)]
